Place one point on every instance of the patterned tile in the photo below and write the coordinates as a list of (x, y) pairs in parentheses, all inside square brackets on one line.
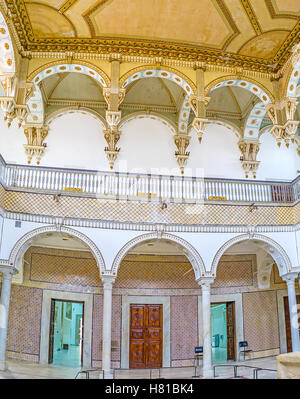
[(69, 267), (134, 211), (235, 271), (24, 325), (261, 320), (157, 272), (184, 327)]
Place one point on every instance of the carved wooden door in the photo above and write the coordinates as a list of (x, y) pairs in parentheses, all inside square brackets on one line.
[(287, 322), (230, 331), (145, 336), (51, 332)]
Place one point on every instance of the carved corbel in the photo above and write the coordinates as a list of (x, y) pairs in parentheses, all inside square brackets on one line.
[(113, 98), (8, 107), (199, 125), (111, 151), (35, 146), (199, 105), (21, 113), (113, 118), (282, 116), (182, 141), (17, 93), (249, 150)]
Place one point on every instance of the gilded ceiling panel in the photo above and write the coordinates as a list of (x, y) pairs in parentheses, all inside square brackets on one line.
[(255, 34), (157, 20)]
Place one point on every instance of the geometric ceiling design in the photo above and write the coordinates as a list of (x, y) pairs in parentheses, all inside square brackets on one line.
[(253, 34)]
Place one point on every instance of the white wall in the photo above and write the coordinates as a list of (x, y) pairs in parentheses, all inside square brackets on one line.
[(277, 162), (218, 154), (12, 142), (147, 146)]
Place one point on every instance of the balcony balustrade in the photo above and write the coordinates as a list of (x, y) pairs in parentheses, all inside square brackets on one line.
[(143, 187)]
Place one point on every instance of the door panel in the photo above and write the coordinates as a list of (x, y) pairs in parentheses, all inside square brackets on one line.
[(230, 331), (51, 332), (145, 336)]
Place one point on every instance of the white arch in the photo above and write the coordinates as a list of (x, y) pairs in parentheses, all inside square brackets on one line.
[(164, 74), (35, 103), (192, 254), (258, 112), (294, 80), (151, 115), (272, 248), (24, 243), (7, 56), (223, 122), (70, 109)]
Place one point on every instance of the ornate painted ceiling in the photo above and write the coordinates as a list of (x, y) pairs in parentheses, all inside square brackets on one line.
[(253, 34)]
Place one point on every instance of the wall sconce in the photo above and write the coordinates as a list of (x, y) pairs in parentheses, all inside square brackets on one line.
[(253, 207), (164, 205), (56, 197)]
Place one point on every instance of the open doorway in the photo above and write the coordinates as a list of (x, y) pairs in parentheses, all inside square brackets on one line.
[(222, 332), (66, 333)]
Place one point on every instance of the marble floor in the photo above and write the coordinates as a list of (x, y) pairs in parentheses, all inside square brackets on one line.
[(26, 370)]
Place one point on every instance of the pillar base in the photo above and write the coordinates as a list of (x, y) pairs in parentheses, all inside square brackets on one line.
[(208, 373), (3, 365), (108, 375)]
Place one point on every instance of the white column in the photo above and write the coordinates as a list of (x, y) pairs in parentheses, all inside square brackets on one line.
[(290, 281), (106, 327), (4, 312), (207, 365)]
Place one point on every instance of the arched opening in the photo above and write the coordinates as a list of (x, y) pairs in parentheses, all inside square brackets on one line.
[(51, 312), (178, 89), (242, 101), (248, 284), (156, 283), (62, 82)]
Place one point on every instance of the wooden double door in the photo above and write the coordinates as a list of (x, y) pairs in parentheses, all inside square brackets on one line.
[(146, 332)]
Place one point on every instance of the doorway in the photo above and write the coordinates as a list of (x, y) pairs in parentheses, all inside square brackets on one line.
[(66, 333), (146, 332), (222, 332)]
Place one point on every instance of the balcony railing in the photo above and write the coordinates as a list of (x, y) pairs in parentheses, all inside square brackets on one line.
[(143, 187)]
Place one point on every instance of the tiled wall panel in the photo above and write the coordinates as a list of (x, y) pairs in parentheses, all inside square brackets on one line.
[(261, 320), (25, 320), (184, 327)]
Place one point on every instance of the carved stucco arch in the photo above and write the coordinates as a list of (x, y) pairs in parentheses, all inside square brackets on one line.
[(7, 54), (70, 109), (151, 71), (293, 80), (24, 243), (154, 115), (223, 122), (273, 249), (35, 103), (191, 253), (255, 118)]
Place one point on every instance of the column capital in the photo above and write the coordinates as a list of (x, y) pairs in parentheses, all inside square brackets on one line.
[(290, 277), (205, 282), (108, 281), (8, 271)]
